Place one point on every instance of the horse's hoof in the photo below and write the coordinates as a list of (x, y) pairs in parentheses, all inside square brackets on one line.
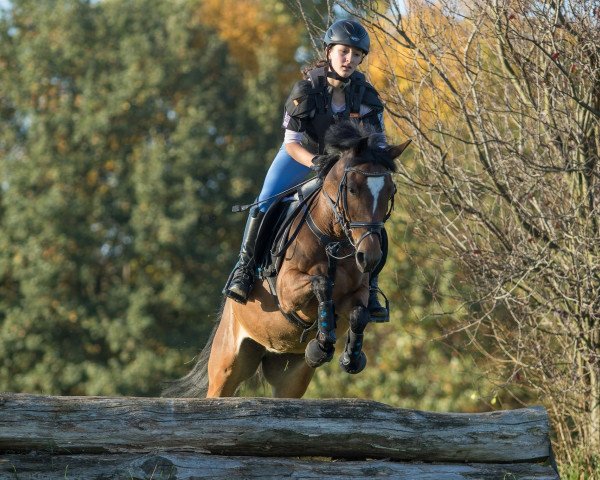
[(315, 356), (353, 366)]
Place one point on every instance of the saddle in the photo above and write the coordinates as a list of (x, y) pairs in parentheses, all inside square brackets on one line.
[(275, 236)]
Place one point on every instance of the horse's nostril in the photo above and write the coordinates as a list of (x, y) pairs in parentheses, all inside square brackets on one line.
[(360, 259)]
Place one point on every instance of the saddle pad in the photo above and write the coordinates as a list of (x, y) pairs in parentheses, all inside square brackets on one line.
[(275, 227)]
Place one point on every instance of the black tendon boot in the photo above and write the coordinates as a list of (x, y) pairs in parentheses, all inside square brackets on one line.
[(242, 278), (320, 349), (378, 312)]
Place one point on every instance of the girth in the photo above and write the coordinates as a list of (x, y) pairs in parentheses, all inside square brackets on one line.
[(282, 240)]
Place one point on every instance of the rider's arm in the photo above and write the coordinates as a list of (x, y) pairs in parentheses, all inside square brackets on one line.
[(293, 146), (299, 109), (299, 153)]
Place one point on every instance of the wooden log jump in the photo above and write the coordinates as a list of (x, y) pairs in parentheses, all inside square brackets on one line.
[(98, 437)]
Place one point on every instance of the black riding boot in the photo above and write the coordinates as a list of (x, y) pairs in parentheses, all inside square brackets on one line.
[(378, 312), (242, 278)]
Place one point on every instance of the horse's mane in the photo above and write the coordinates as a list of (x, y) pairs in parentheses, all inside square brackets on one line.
[(369, 145)]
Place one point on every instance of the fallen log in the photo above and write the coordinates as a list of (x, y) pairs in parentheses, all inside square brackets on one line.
[(97, 435), (192, 466)]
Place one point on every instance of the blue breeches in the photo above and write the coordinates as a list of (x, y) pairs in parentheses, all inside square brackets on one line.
[(284, 173)]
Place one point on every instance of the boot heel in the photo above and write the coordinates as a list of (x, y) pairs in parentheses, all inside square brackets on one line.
[(241, 280)]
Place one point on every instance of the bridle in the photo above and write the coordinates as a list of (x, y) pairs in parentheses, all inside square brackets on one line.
[(334, 245), (340, 211)]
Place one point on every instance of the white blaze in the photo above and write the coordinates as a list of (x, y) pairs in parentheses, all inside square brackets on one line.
[(375, 185)]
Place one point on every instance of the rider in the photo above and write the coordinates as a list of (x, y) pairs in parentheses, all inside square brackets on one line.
[(332, 90)]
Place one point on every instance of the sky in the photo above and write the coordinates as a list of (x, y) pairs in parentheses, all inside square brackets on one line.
[(4, 4)]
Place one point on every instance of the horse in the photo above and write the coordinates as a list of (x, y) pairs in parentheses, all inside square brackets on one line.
[(323, 279)]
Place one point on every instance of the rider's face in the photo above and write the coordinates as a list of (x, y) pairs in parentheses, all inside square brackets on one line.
[(345, 59)]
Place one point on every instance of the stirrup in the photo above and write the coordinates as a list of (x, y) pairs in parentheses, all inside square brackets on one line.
[(240, 290), (378, 318)]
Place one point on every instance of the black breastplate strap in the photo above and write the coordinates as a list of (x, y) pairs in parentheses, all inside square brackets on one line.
[(354, 94), (323, 116)]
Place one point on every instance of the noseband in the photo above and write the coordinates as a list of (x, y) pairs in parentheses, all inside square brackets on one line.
[(340, 208)]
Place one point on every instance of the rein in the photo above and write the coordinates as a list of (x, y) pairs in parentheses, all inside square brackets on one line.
[(339, 208), (331, 244)]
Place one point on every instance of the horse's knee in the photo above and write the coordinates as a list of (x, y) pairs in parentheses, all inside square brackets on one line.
[(322, 287)]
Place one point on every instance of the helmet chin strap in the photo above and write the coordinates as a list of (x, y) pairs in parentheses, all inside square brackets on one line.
[(331, 73)]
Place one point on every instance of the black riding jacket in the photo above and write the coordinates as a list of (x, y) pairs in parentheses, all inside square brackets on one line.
[(308, 108)]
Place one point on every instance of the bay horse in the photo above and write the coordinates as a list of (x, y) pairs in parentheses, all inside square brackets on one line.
[(323, 279)]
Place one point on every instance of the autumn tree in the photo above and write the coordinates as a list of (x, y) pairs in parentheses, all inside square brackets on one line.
[(503, 102), (127, 131), (413, 362)]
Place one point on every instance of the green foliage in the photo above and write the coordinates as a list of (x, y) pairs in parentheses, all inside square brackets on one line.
[(126, 132), (121, 130)]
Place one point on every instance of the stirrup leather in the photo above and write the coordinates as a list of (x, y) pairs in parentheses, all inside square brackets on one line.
[(375, 308)]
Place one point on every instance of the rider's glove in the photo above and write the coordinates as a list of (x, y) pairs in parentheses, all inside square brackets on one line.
[(322, 164)]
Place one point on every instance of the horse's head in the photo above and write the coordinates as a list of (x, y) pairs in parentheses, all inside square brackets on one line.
[(359, 186)]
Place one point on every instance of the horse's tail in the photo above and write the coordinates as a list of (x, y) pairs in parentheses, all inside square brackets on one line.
[(195, 383)]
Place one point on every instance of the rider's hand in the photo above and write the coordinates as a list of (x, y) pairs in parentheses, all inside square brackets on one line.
[(321, 164)]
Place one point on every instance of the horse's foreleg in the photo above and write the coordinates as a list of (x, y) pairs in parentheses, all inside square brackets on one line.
[(320, 349), (353, 359)]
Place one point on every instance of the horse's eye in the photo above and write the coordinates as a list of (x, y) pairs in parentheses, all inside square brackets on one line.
[(353, 191)]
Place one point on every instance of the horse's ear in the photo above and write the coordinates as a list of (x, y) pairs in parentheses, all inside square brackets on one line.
[(396, 150)]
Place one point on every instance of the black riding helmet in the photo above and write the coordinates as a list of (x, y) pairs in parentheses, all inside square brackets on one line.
[(347, 32)]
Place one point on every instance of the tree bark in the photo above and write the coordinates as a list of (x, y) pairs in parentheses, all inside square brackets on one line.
[(188, 466), (344, 428)]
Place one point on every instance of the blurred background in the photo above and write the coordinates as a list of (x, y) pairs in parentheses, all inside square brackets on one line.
[(128, 129)]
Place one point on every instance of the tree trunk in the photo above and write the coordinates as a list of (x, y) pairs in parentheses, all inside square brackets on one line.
[(184, 466), (265, 427)]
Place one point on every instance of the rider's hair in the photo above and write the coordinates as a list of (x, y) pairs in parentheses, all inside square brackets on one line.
[(311, 66)]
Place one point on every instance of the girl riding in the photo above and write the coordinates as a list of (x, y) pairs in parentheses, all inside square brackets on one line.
[(333, 89)]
